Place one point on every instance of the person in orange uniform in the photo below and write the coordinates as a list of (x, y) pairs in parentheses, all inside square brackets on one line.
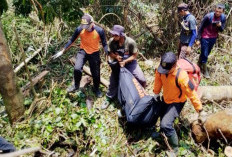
[(90, 35), (173, 102)]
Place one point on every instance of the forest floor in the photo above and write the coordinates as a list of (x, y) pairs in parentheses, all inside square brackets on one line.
[(62, 124)]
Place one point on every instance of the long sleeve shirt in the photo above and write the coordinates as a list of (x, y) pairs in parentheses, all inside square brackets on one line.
[(90, 41), (208, 28), (171, 92)]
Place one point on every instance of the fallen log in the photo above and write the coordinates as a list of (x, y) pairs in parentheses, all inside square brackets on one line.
[(87, 71), (217, 126), (215, 93), (85, 80), (21, 152), (25, 89), (27, 60)]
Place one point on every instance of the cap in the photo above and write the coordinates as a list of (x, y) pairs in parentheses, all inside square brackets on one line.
[(86, 20), (182, 6), (221, 6), (167, 62), (118, 30)]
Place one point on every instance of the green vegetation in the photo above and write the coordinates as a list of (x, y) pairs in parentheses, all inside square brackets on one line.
[(61, 123)]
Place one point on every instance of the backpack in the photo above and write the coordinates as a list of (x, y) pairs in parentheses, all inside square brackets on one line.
[(192, 70), (140, 109)]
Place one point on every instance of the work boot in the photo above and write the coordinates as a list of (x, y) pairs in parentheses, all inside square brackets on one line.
[(199, 63), (72, 88), (106, 103), (205, 71), (98, 93), (173, 141), (157, 136)]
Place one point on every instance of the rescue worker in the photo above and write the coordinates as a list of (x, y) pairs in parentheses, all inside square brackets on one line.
[(90, 36), (122, 53), (188, 32), (174, 97), (211, 24)]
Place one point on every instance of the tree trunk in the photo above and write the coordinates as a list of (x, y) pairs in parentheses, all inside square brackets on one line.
[(12, 96), (215, 93)]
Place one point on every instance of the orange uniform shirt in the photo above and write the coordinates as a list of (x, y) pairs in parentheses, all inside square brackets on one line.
[(170, 90), (90, 41)]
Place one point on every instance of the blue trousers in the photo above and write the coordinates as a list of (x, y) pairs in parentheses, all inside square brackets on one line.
[(206, 47), (169, 112)]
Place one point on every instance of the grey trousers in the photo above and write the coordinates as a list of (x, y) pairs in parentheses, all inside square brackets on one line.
[(134, 68), (168, 113)]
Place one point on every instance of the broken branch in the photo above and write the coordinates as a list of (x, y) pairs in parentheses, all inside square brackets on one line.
[(21, 152), (34, 81), (27, 60)]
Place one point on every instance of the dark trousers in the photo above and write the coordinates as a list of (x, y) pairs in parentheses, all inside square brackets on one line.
[(6, 146), (206, 47), (168, 113), (94, 63), (133, 67)]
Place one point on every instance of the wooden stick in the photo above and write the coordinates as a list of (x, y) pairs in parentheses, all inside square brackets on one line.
[(87, 71), (27, 60), (229, 13), (109, 14), (127, 145), (24, 61), (223, 136), (166, 141), (21, 152), (207, 137), (144, 58)]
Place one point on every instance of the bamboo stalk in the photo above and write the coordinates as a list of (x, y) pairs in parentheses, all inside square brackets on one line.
[(24, 60), (21, 152), (27, 60)]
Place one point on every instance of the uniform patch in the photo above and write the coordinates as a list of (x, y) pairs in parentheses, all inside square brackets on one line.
[(95, 35), (84, 21)]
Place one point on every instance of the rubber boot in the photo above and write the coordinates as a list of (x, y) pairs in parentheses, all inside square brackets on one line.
[(173, 141), (199, 63), (157, 136), (205, 71), (98, 93)]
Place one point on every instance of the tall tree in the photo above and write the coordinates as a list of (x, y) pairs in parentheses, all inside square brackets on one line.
[(12, 97)]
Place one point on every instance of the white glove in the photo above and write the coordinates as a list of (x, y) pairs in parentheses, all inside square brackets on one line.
[(156, 97), (202, 116), (58, 54)]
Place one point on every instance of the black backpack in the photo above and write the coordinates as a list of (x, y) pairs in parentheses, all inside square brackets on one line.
[(140, 109)]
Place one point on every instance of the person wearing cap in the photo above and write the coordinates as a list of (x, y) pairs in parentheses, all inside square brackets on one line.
[(122, 53), (173, 102), (188, 32), (90, 36), (211, 24)]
